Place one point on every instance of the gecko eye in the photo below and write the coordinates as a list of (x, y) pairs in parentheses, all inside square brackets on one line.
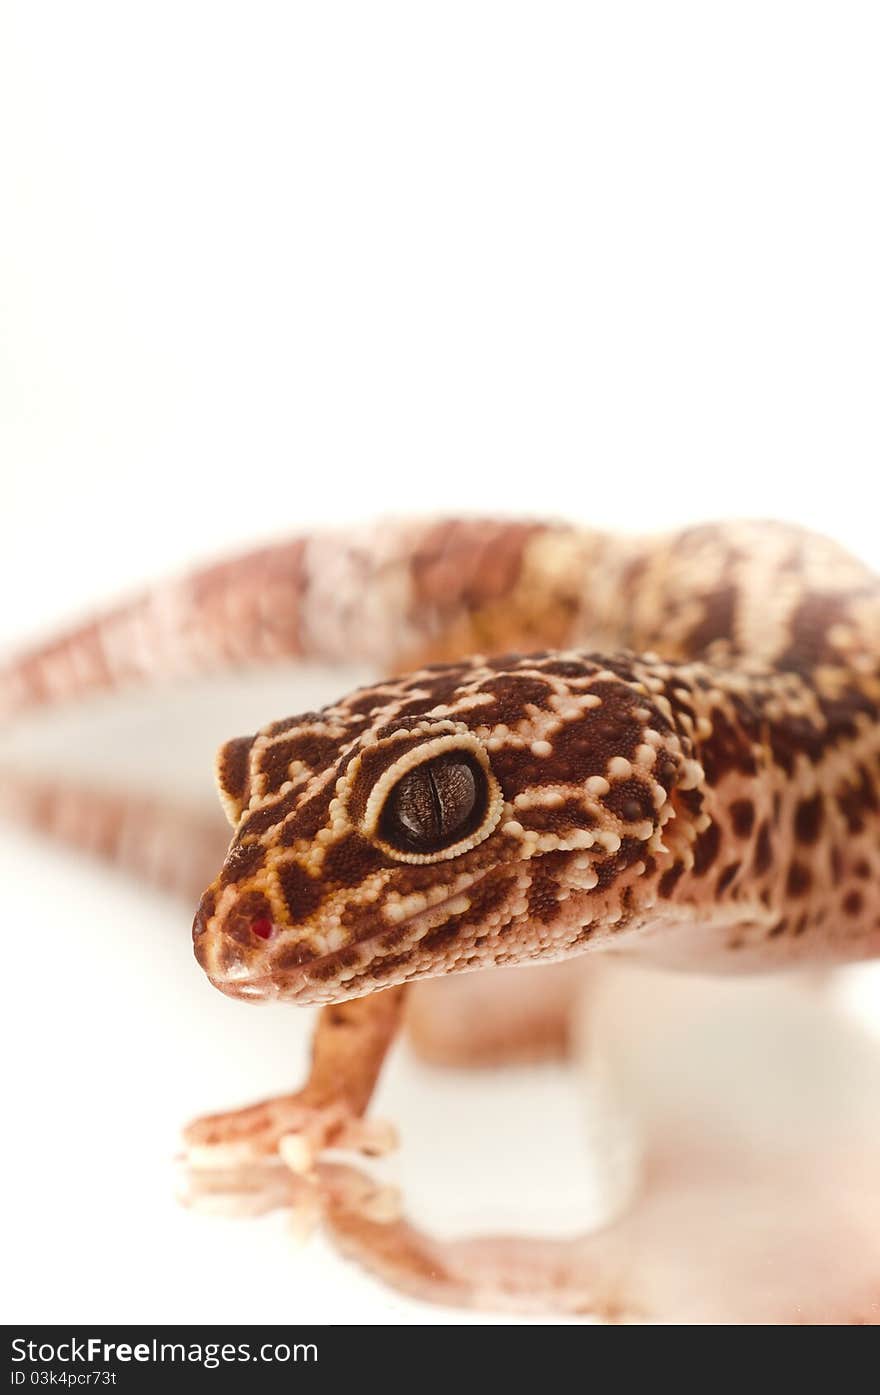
[(438, 800), (435, 804)]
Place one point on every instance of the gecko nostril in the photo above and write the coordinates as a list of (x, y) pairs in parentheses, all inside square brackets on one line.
[(263, 928)]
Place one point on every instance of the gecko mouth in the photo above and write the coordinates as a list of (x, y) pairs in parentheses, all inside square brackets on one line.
[(379, 959)]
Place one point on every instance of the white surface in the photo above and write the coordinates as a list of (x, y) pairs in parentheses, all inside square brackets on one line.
[(272, 265), (267, 264)]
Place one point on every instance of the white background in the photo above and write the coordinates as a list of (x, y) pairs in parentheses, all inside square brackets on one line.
[(272, 265)]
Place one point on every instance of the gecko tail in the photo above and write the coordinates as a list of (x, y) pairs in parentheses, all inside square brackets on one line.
[(383, 594), (159, 842)]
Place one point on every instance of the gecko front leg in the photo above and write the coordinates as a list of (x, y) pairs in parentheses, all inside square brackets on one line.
[(267, 1155)]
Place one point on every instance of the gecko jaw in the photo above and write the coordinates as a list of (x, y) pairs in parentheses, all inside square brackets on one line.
[(345, 972)]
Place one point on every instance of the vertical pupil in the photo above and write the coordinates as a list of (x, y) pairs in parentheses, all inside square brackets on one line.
[(434, 800)]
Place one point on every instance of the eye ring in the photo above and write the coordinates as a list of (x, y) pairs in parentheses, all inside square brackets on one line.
[(392, 814)]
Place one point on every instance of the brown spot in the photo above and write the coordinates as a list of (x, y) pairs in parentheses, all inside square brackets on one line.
[(441, 693), (763, 850), (301, 892), (858, 800), (582, 746), (512, 694), (717, 621), (392, 937), (692, 800), (728, 749), (563, 668), (441, 934), (312, 749), (364, 922), (207, 906), (543, 818), (854, 904), (543, 903), (610, 868), (487, 896), (311, 815), (706, 849), (726, 877), (808, 819), (811, 627), (791, 738), (465, 564), (243, 861), (350, 860), (670, 879), (799, 879), (266, 817), (292, 956), (232, 767), (325, 969), (742, 817)]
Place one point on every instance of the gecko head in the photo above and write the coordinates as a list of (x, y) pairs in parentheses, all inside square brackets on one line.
[(466, 815)]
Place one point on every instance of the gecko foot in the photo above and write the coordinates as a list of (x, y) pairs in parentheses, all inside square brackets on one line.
[(291, 1126), (268, 1157)]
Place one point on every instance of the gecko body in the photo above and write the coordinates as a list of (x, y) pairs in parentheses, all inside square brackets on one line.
[(717, 807), (668, 749)]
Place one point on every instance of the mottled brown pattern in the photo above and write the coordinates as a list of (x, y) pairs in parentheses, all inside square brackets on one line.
[(625, 781), (681, 731)]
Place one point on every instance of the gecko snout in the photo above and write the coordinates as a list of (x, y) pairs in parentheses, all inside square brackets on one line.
[(235, 940)]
